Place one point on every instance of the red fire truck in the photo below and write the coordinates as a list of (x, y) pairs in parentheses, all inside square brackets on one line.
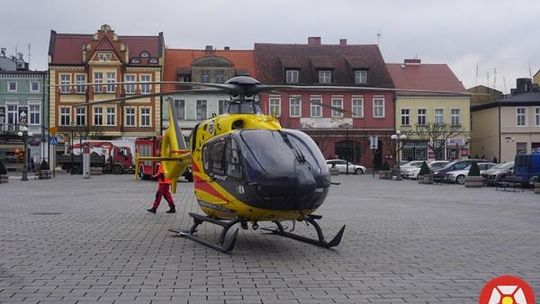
[(151, 146)]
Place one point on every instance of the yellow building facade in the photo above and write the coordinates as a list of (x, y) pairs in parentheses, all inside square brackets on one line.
[(451, 113)]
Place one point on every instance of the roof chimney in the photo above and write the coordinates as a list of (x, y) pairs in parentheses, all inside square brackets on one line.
[(342, 41), (227, 48), (412, 61), (314, 40), (209, 48)]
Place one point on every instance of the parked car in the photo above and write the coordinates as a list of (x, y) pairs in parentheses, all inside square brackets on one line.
[(498, 172), (458, 176), (342, 165), (433, 165), (404, 168), (460, 164)]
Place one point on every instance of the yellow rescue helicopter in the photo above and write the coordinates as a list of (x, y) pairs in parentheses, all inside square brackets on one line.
[(246, 167)]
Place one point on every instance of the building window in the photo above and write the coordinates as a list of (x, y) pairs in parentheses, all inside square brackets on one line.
[(145, 87), (537, 116), (274, 107), (325, 76), (98, 116), (315, 108), (34, 114), (360, 76), (405, 117), (80, 116), (145, 117), (201, 110), (130, 116), (184, 78), (180, 108), (422, 117), (222, 106), (455, 118), (111, 78), (291, 76), (12, 116), (65, 81), (337, 103), (34, 86), (129, 88), (98, 79), (439, 117), (294, 106), (378, 107), (357, 107), (220, 76), (12, 86), (205, 76), (65, 115), (521, 118), (80, 80), (111, 116)]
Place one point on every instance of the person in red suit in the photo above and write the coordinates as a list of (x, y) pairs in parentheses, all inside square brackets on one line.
[(163, 191)]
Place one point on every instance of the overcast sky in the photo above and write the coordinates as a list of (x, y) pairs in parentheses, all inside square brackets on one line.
[(490, 34)]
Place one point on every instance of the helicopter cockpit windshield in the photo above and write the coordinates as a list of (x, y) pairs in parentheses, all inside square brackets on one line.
[(245, 107), (278, 152)]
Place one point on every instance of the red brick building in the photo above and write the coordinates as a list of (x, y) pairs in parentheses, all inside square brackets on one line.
[(366, 111)]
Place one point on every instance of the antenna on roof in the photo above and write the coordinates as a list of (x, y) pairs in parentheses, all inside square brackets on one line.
[(530, 72), (476, 79), (504, 84), (29, 54), (378, 37), (495, 78), (487, 85)]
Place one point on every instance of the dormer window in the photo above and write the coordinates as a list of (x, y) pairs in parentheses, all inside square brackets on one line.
[(153, 61), (205, 76), (144, 54), (360, 76), (291, 75), (135, 60), (325, 76), (104, 56)]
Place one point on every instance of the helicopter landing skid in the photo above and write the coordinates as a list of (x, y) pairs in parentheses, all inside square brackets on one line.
[(224, 244), (311, 219)]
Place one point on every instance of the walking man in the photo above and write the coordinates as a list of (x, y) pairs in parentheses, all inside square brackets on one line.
[(163, 191)]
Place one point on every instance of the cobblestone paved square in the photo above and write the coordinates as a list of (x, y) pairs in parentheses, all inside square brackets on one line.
[(70, 240)]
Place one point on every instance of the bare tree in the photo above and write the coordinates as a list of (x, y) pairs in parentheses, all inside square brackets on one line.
[(435, 133)]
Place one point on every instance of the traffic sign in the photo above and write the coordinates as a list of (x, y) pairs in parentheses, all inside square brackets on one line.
[(54, 140), (53, 130)]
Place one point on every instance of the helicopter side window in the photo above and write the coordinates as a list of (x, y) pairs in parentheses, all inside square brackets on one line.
[(232, 157), (218, 163), (214, 157)]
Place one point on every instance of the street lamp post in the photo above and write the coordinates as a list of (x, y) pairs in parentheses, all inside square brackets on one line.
[(24, 133), (398, 137)]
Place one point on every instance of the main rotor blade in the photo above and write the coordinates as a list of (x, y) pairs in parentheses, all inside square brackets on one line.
[(337, 109), (267, 88), (133, 97)]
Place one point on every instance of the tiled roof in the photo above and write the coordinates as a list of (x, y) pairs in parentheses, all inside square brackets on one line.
[(181, 59), (66, 49), (272, 60), (435, 77)]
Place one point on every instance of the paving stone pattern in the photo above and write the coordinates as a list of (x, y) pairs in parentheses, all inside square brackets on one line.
[(71, 240)]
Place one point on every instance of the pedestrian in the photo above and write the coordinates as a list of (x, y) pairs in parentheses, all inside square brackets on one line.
[(163, 191), (495, 159), (32, 165)]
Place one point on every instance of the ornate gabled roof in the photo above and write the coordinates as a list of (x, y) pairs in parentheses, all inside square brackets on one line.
[(77, 49)]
